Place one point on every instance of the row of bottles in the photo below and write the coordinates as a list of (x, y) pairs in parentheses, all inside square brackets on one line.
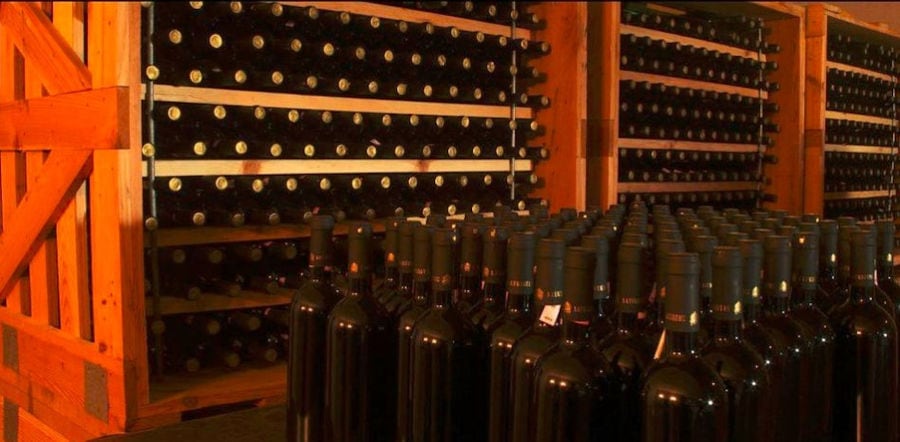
[(658, 158), (743, 199), (849, 172), (854, 51), (839, 131), (717, 326), (864, 209), (859, 94), (504, 13)]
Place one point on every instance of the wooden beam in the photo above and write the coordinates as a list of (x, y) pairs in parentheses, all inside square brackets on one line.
[(183, 168), (39, 211), (41, 44), (94, 119)]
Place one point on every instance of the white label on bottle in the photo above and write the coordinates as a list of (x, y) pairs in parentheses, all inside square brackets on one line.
[(550, 314)]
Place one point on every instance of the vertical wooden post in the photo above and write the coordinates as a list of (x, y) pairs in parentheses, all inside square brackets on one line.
[(814, 135), (603, 103)]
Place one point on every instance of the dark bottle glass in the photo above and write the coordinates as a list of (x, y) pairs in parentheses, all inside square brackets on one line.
[(865, 373), (471, 249), (403, 300), (444, 351), (818, 330), (490, 309), (575, 389), (601, 326), (309, 320), (884, 270), (664, 248), (844, 257), (703, 246), (682, 398), (543, 334), (390, 287), (358, 384), (739, 365), (627, 351), (516, 321), (421, 290), (828, 248)]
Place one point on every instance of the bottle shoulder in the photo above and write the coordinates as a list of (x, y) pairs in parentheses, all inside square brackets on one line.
[(735, 360), (510, 329), (535, 343), (684, 379), (573, 363), (859, 318), (445, 324), (626, 350), (359, 311)]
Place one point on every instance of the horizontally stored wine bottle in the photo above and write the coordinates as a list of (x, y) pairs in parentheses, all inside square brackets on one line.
[(309, 319), (516, 321), (575, 386), (628, 352), (359, 391), (865, 373), (537, 341), (741, 367), (444, 350), (421, 292), (682, 398)]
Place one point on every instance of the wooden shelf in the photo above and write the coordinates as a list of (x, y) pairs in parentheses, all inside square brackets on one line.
[(190, 391), (830, 196), (693, 84), (860, 149), (183, 168), (213, 302), (209, 235), (668, 187), (641, 143), (412, 15), (835, 115), (675, 38), (858, 70), (199, 95)]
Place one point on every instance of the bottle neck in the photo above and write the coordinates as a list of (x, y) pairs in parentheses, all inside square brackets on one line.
[(420, 290), (469, 288), (575, 332), (626, 322), (727, 330), (405, 281), (391, 277), (778, 304), (860, 293), (681, 343), (518, 303), (320, 274), (492, 291), (359, 286), (885, 271), (751, 313), (441, 298)]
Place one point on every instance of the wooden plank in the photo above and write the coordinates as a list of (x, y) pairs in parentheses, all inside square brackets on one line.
[(687, 187), (58, 67), (68, 18), (72, 262), (640, 143), (416, 16), (625, 29), (180, 94), (693, 84), (858, 70), (566, 121), (22, 394), (80, 120), (41, 287), (835, 115), (852, 148), (184, 168), (603, 101), (39, 211), (830, 196), (213, 302), (814, 108), (33, 430), (209, 235)]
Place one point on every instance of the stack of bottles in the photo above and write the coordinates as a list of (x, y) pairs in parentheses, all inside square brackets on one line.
[(633, 324)]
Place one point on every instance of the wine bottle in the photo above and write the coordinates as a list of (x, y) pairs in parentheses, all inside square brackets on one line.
[(309, 313), (885, 268), (601, 326), (703, 246), (471, 250), (389, 289), (665, 247), (682, 398), (865, 373), (486, 314)]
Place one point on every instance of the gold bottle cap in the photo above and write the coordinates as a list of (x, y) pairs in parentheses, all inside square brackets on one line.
[(490, 67), (345, 18), (151, 223), (199, 148), (357, 119), (257, 185), (454, 32), (215, 41), (402, 26), (327, 118), (469, 6), (174, 184), (340, 150), (312, 82), (466, 63), (452, 151), (488, 123), (521, 205), (427, 90), (293, 115), (534, 126), (509, 179), (426, 151), (414, 120), (463, 181), (513, 70), (148, 150), (439, 181), (277, 10), (388, 56), (290, 184), (373, 87), (426, 212), (479, 37), (476, 151), (501, 96), (328, 49), (240, 77), (240, 148), (325, 184), (344, 84), (309, 150), (359, 53), (371, 151), (401, 89), (429, 28), (451, 209), (412, 182), (415, 59), (454, 91), (259, 113), (179, 256), (499, 151), (198, 219), (221, 183), (356, 183), (522, 152), (385, 182), (439, 122), (488, 180), (503, 41), (296, 45), (399, 151), (386, 120), (275, 150), (465, 121), (174, 113), (375, 22), (277, 78), (545, 153), (236, 7), (196, 5), (476, 208), (175, 37), (442, 60), (258, 42), (196, 76), (219, 112), (152, 72), (313, 13)]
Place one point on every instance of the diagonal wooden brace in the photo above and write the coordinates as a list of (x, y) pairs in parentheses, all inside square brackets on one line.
[(40, 208)]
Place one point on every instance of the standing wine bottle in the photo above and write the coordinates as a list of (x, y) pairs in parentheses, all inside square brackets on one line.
[(421, 291), (471, 249), (403, 299), (828, 248), (309, 315), (444, 352), (358, 383), (805, 288), (665, 247), (389, 289), (865, 373), (601, 326), (628, 352), (516, 321), (844, 259), (537, 341), (575, 386), (490, 309), (703, 246), (682, 398), (885, 268), (741, 367)]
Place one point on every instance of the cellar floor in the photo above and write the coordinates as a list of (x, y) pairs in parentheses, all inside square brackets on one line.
[(254, 425)]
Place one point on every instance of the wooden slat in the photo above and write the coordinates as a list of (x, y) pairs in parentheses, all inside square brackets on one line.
[(182, 168), (179, 94), (851, 148), (834, 115), (39, 211), (57, 65), (640, 143), (213, 302), (814, 108), (693, 84), (830, 196), (209, 235), (72, 260), (30, 428), (675, 38), (41, 286), (686, 187), (68, 18), (415, 16), (80, 120), (858, 70)]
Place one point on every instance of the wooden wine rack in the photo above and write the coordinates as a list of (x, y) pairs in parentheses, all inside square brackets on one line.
[(603, 94), (820, 19)]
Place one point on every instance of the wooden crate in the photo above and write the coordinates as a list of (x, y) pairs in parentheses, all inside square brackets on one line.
[(819, 19), (604, 74), (72, 240)]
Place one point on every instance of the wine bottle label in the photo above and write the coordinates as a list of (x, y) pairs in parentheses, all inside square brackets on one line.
[(550, 314)]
